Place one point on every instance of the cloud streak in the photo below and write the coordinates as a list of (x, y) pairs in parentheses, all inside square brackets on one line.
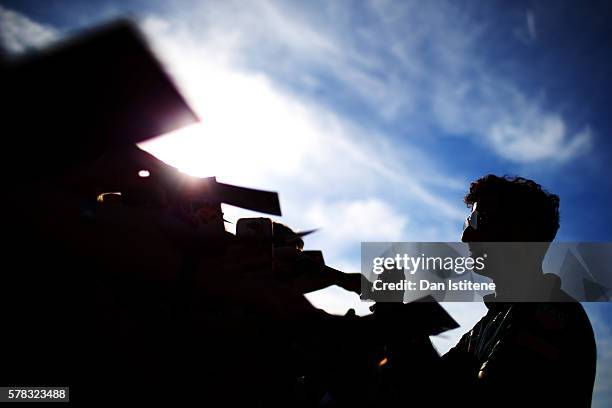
[(406, 64), (19, 33), (283, 141)]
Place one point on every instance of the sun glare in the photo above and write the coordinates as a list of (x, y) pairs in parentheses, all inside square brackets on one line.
[(249, 130)]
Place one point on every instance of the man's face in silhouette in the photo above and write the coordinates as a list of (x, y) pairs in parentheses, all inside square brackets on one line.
[(516, 212), (475, 229), (487, 225), (481, 225), (490, 221)]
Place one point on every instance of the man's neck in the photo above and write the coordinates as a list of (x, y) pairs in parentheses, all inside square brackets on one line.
[(526, 285)]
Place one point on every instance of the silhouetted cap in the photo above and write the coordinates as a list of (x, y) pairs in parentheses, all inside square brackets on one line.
[(67, 104)]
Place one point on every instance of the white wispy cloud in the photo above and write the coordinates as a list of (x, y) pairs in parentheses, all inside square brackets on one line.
[(408, 62), (467, 98), (370, 220), (539, 138), (527, 32), (280, 140), (19, 33), (531, 25)]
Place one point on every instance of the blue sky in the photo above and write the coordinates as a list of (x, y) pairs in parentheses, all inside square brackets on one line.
[(371, 118)]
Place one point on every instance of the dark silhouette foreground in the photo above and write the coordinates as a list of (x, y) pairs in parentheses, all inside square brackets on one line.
[(128, 288)]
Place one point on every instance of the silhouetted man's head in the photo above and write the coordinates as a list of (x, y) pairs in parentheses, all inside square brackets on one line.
[(510, 209)]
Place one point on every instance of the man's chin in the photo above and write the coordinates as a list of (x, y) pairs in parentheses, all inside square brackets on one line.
[(476, 249)]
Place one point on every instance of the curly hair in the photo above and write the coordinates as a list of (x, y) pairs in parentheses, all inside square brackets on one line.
[(520, 201)]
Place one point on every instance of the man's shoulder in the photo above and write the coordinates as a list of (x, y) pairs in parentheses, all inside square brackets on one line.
[(563, 324), (565, 315)]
